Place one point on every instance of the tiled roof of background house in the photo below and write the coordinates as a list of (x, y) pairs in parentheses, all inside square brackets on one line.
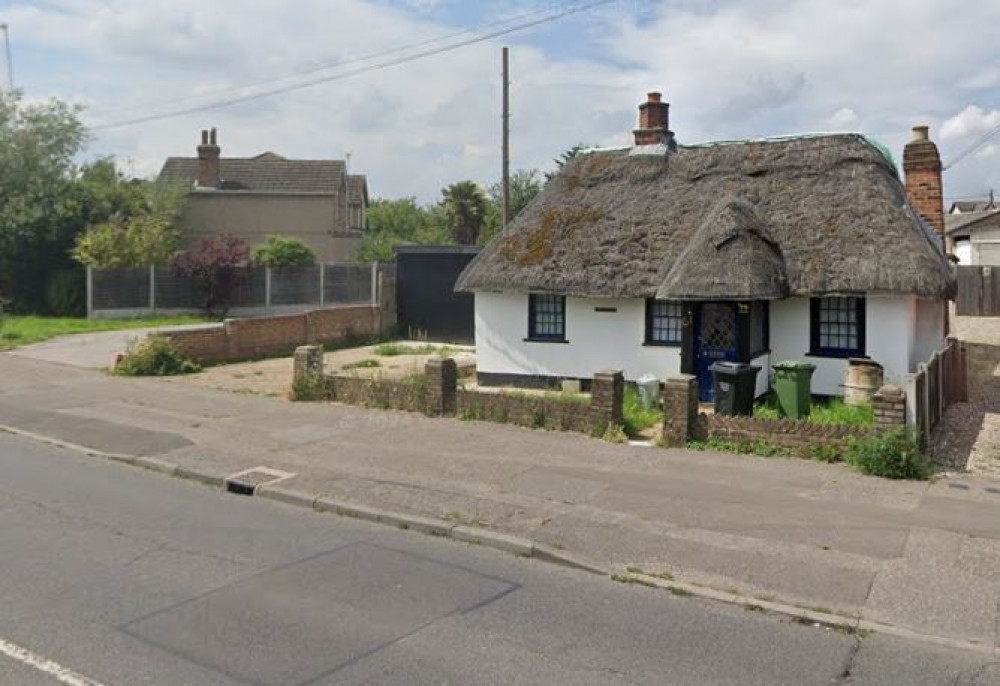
[(357, 189), (267, 173)]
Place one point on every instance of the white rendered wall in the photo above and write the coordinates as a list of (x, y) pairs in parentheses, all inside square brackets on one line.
[(889, 329), (597, 340), (929, 330)]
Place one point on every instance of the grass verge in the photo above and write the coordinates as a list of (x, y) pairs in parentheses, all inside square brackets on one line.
[(24, 330)]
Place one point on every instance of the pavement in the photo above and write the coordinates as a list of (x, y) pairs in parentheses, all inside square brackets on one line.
[(916, 558), (92, 350), (116, 576)]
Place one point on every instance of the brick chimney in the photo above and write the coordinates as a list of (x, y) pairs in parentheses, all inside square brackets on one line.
[(922, 169), (654, 121), (209, 173)]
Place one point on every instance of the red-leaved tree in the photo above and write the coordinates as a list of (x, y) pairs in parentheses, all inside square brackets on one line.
[(216, 266)]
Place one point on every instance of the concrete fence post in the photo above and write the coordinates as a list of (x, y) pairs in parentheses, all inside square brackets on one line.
[(680, 409), (322, 284), (442, 386), (374, 286), (607, 394), (267, 290), (90, 292), (308, 364), (152, 289), (889, 405)]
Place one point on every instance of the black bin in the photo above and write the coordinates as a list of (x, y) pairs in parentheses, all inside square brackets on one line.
[(734, 384)]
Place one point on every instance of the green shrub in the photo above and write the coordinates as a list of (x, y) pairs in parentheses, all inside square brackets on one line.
[(615, 433), (394, 349), (153, 356), (892, 455), (825, 453), (66, 293), (283, 252), (311, 388), (634, 416)]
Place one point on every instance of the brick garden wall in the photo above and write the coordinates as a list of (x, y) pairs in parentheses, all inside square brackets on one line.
[(535, 411), (795, 435), (436, 393), (243, 339)]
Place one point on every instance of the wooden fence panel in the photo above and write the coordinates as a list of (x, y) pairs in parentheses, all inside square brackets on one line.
[(978, 291)]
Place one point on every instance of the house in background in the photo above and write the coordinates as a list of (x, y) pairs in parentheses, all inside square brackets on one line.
[(663, 258), (974, 230), (316, 201)]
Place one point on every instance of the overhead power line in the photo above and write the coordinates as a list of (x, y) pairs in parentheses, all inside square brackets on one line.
[(378, 66), (324, 66), (979, 143)]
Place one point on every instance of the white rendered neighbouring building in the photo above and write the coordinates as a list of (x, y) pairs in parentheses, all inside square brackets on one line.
[(663, 259)]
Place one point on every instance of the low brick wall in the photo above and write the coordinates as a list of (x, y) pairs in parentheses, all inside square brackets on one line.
[(409, 395), (244, 339), (436, 393), (792, 434), (535, 411)]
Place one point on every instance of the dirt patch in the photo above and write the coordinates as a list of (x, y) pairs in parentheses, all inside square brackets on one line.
[(272, 377)]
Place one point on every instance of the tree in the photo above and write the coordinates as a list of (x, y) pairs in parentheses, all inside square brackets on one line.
[(215, 267), (464, 204), (283, 252), (525, 184), (45, 200), (564, 159), (136, 224), (401, 221)]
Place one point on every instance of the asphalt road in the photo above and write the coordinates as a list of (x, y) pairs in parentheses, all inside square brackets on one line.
[(112, 576)]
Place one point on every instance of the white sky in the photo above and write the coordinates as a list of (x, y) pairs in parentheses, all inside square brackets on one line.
[(730, 68)]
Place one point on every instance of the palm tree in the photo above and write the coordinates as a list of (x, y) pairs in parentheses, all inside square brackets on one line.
[(465, 208)]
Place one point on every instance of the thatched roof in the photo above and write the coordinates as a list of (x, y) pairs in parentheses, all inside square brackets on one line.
[(812, 215)]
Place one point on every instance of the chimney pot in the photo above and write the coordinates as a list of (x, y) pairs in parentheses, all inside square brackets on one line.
[(654, 121), (209, 165), (921, 133)]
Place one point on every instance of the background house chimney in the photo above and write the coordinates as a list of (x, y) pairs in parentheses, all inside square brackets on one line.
[(654, 121), (209, 173), (922, 169)]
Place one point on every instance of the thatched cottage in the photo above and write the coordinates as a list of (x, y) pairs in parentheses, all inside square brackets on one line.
[(664, 258)]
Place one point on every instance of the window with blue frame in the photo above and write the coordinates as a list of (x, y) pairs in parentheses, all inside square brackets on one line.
[(664, 322), (546, 317), (837, 327)]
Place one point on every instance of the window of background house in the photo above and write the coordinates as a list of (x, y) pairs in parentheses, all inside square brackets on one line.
[(664, 322), (547, 317), (838, 326)]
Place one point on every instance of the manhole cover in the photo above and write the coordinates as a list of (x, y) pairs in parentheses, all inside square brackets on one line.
[(299, 624), (246, 482)]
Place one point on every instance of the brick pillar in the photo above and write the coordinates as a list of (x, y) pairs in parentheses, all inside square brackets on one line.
[(680, 409), (442, 386), (308, 364), (607, 393), (889, 404)]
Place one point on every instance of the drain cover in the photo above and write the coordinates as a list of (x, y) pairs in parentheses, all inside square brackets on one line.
[(246, 482)]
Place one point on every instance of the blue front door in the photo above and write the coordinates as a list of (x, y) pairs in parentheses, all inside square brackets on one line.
[(715, 340)]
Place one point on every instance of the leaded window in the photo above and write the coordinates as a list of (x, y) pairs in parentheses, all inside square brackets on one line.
[(664, 322), (838, 326), (547, 316)]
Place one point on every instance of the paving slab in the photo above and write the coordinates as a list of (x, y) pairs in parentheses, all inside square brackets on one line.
[(812, 533)]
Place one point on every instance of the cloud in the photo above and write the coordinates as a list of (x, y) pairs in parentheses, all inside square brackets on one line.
[(730, 68), (844, 119), (971, 122)]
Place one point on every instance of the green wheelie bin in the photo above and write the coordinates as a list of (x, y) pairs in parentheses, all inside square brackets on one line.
[(792, 385)]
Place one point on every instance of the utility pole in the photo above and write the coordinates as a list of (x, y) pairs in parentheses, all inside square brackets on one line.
[(10, 60), (506, 137)]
